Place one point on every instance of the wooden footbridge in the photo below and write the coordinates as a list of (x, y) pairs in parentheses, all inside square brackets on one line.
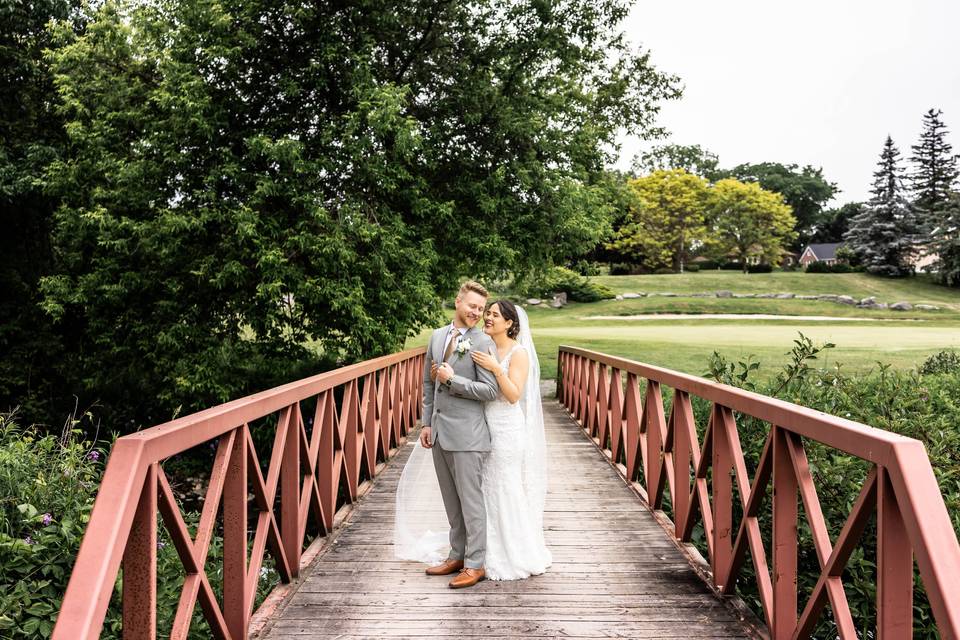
[(317, 500)]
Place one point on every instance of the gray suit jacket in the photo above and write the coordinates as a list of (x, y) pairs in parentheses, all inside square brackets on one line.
[(456, 411)]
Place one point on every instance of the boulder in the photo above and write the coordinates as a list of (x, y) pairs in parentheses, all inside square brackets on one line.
[(619, 297), (628, 296), (701, 295), (534, 301), (561, 296), (668, 295), (724, 294), (829, 297), (872, 300), (766, 295), (744, 295), (785, 296), (882, 305), (901, 306), (807, 297), (556, 303), (846, 300), (926, 307)]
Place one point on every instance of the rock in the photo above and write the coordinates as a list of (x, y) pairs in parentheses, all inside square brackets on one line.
[(882, 305), (926, 307), (829, 297), (807, 297), (846, 300), (766, 295), (901, 306), (561, 296), (744, 295), (701, 295), (724, 294), (629, 296), (669, 295), (869, 301), (619, 297), (556, 303), (534, 301), (785, 296)]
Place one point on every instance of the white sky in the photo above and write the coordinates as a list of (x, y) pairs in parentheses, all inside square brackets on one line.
[(819, 82)]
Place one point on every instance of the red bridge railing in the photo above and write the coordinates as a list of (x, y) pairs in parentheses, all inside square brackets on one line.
[(379, 402), (912, 521)]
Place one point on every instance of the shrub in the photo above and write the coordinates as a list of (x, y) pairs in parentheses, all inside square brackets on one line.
[(577, 287), (823, 267), (47, 490), (663, 271), (586, 268), (731, 266), (759, 268), (947, 361), (622, 269), (899, 401), (692, 268)]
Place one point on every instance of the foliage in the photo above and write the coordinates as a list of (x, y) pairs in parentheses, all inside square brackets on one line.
[(692, 268), (760, 268), (746, 220), (690, 158), (946, 241), (832, 224), (31, 135), (913, 404), (823, 267), (561, 279), (238, 175), (883, 235), (665, 221), (804, 189), (934, 169), (946, 361), (47, 490)]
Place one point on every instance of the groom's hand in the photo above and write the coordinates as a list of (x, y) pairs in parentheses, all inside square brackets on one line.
[(445, 372), (425, 438)]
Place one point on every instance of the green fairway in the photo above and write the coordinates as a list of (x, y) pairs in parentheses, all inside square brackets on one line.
[(902, 339)]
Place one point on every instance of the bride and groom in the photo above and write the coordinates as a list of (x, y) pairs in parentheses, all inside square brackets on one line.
[(481, 452)]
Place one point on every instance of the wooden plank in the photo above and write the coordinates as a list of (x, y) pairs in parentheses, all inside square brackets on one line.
[(615, 572)]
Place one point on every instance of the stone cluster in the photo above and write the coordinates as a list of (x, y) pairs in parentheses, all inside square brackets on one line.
[(862, 303)]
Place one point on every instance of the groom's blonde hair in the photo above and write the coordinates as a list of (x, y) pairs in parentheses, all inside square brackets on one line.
[(472, 285)]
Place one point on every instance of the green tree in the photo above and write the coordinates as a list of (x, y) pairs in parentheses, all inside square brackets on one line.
[(946, 241), (745, 220), (31, 135), (665, 220), (884, 235), (804, 189), (934, 169), (833, 223), (248, 178), (691, 158)]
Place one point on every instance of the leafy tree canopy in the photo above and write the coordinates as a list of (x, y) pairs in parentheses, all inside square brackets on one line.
[(247, 178), (691, 158)]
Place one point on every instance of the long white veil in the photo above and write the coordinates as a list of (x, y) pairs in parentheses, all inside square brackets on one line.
[(421, 530)]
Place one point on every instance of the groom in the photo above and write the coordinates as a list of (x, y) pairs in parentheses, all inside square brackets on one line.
[(455, 428)]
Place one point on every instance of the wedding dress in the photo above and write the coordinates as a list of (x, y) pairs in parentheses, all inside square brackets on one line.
[(514, 486)]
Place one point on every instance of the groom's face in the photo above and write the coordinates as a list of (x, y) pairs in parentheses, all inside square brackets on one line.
[(470, 307)]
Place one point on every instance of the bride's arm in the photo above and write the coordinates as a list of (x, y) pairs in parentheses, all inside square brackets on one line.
[(511, 383)]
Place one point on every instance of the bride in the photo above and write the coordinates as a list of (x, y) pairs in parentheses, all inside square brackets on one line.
[(514, 473)]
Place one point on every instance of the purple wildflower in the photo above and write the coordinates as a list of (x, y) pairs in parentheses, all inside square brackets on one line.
[(161, 544), (47, 519), (93, 455), (28, 540)]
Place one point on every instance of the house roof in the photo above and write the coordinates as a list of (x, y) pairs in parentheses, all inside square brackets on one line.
[(826, 251)]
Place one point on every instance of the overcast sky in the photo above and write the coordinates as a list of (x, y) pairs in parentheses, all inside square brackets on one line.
[(816, 82)]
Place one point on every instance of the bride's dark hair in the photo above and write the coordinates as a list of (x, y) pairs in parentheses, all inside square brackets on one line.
[(509, 312)]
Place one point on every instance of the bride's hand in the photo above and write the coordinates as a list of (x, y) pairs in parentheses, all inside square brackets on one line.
[(484, 360)]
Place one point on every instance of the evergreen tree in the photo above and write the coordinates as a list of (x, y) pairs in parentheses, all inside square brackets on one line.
[(883, 234), (934, 170), (945, 242)]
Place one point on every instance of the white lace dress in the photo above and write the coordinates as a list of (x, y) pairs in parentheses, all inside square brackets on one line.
[(515, 544)]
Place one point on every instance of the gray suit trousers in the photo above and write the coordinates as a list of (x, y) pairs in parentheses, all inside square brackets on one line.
[(459, 473)]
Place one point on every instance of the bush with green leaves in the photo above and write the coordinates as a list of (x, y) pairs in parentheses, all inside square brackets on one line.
[(919, 404), (946, 361), (47, 490), (563, 280), (824, 267)]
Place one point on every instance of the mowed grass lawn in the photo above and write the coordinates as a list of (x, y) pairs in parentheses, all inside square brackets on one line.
[(864, 338)]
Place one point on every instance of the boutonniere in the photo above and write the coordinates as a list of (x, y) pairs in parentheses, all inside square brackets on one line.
[(463, 346)]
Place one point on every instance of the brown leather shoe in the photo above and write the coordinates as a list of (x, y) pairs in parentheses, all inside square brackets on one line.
[(468, 577), (445, 568)]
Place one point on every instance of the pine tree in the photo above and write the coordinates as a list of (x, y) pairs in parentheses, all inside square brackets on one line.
[(945, 243), (934, 170), (883, 234)]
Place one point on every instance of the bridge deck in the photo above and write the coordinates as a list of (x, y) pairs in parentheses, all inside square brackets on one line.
[(615, 572)]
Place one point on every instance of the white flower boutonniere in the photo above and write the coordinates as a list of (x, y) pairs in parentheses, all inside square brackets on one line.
[(463, 346)]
